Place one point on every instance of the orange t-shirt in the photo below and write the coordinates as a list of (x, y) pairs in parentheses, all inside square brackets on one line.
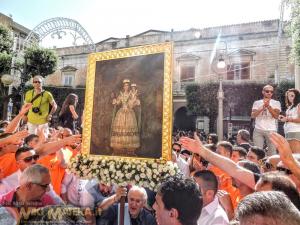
[(8, 165), (225, 183), (56, 171)]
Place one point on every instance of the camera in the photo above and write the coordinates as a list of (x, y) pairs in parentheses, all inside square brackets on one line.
[(36, 109)]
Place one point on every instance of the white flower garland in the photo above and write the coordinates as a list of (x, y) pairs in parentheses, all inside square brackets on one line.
[(123, 171)]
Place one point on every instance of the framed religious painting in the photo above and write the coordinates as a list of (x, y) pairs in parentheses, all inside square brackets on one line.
[(128, 103)]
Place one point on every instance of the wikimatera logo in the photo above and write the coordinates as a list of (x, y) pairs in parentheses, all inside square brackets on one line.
[(57, 214)]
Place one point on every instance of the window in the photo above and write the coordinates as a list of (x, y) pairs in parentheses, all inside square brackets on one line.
[(187, 73), (68, 79), (239, 71)]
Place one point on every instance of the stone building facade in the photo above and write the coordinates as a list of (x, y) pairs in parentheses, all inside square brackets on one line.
[(252, 52), (19, 32)]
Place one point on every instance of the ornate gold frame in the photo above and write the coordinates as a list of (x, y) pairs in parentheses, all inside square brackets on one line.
[(167, 49)]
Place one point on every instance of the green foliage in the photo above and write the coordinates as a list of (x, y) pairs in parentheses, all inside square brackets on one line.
[(294, 30), (280, 92), (6, 43), (5, 62), (202, 98), (40, 61), (6, 40), (60, 94)]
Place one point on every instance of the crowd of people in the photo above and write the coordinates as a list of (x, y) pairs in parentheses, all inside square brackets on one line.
[(218, 183)]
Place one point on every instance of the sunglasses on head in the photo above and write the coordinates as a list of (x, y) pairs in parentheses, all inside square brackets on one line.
[(285, 170), (268, 91), (36, 81), (30, 158)]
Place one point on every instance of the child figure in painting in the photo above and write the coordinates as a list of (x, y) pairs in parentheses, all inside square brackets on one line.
[(136, 105), (125, 138)]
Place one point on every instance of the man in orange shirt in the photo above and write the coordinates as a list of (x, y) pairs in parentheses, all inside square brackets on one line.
[(57, 162), (9, 144), (224, 148)]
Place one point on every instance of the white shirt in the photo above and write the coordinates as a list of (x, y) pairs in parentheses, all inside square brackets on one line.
[(11, 182), (183, 165), (265, 121), (213, 214), (76, 190), (290, 126)]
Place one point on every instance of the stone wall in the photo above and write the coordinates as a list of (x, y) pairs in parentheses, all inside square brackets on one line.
[(256, 43)]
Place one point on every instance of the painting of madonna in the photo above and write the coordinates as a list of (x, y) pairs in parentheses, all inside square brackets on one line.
[(125, 134), (128, 107)]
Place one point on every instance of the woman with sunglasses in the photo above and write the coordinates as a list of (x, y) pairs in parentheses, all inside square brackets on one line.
[(212, 139), (292, 119)]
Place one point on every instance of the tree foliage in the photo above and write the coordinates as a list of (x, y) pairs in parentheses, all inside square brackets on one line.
[(59, 95), (40, 61), (6, 43), (5, 62), (6, 40), (294, 25), (36, 61), (202, 98)]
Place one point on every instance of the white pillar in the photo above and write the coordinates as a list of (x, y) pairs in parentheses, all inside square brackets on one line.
[(220, 111)]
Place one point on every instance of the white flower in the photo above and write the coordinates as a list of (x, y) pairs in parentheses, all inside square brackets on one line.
[(112, 167), (172, 173), (142, 175), (136, 177)]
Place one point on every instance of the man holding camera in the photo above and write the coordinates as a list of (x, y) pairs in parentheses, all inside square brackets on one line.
[(39, 115)]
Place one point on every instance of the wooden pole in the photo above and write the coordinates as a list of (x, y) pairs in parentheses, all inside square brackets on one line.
[(122, 210)]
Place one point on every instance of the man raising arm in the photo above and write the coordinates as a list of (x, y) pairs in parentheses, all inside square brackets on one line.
[(243, 175)]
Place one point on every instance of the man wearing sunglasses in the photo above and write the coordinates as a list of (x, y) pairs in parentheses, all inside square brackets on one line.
[(39, 115), (179, 159), (265, 112), (32, 189), (25, 157)]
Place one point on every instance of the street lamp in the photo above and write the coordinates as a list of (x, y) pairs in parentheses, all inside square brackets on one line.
[(7, 79), (221, 66)]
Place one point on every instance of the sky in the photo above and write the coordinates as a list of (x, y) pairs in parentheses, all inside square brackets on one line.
[(118, 18)]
